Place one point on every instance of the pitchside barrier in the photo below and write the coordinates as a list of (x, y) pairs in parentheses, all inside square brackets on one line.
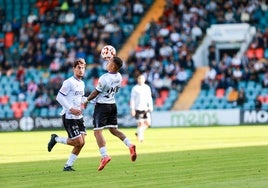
[(159, 119)]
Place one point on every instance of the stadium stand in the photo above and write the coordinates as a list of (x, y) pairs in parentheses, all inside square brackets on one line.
[(45, 37)]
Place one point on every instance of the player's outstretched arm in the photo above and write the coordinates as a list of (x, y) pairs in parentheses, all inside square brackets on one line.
[(92, 95)]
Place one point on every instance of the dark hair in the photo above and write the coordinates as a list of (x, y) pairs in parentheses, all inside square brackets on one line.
[(118, 62), (79, 61)]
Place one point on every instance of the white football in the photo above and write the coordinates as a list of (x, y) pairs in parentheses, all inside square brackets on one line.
[(107, 52)]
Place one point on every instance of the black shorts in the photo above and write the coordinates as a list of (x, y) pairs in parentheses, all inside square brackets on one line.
[(141, 114), (74, 127), (105, 115)]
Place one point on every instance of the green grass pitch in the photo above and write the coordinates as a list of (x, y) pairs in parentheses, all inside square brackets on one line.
[(196, 157)]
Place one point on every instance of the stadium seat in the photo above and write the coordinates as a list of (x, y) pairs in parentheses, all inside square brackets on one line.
[(262, 99), (2, 115), (43, 112), (259, 53), (9, 114), (4, 99), (9, 39), (23, 105), (250, 53), (266, 53), (164, 94), (220, 93), (159, 102), (17, 112), (15, 106)]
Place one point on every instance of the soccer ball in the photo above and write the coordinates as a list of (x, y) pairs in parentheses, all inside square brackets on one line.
[(108, 52)]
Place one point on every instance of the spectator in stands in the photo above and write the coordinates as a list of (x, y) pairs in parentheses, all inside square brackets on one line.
[(31, 18), (39, 58), (196, 33), (259, 66), (210, 77), (7, 27), (237, 74), (69, 17), (222, 67), (223, 82), (258, 103), (229, 15), (55, 65), (188, 63), (42, 101), (227, 59), (236, 61), (7, 69), (166, 82), (2, 58), (265, 80), (241, 99), (138, 8), (181, 78), (32, 87), (232, 96), (211, 53), (16, 24), (20, 73), (22, 92)]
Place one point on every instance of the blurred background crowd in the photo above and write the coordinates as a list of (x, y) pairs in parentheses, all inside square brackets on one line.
[(40, 39)]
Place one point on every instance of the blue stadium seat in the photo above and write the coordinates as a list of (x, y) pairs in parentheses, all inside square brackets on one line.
[(266, 52), (43, 112)]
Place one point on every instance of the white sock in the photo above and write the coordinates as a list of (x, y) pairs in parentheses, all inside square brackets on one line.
[(141, 132), (127, 142), (71, 160), (103, 151), (62, 140)]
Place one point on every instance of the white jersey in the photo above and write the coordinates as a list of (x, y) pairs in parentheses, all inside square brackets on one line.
[(141, 98), (108, 85), (73, 90)]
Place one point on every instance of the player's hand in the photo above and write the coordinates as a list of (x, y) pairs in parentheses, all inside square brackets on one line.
[(85, 104), (76, 112)]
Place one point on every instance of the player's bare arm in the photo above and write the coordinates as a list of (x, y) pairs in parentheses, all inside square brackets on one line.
[(92, 95), (76, 112)]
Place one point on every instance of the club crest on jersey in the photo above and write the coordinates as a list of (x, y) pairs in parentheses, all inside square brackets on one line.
[(99, 84)]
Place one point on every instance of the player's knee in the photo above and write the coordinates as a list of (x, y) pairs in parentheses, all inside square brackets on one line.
[(113, 131), (80, 143)]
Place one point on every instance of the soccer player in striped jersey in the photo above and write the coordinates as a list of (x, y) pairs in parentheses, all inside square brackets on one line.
[(71, 97), (141, 104), (105, 111)]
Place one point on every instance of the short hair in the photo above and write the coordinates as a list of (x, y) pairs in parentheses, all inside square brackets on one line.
[(118, 62), (79, 61)]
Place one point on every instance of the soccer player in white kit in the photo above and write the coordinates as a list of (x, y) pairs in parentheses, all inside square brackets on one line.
[(105, 111), (71, 97), (141, 104)]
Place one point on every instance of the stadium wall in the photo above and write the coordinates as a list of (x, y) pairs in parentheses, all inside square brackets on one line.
[(231, 117)]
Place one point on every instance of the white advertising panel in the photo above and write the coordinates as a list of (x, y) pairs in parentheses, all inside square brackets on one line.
[(196, 118)]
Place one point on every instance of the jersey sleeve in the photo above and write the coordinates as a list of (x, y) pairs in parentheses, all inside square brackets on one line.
[(65, 88), (101, 84)]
